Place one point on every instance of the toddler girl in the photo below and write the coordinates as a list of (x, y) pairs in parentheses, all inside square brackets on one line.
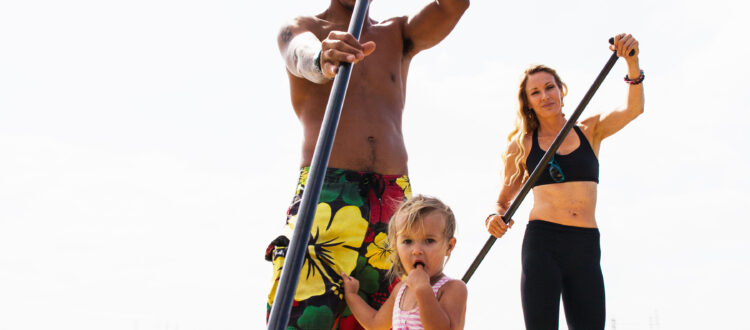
[(420, 236)]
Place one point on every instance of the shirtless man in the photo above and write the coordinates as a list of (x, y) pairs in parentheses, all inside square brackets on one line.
[(367, 174)]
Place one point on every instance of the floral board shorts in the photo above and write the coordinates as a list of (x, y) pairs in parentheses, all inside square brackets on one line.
[(348, 235)]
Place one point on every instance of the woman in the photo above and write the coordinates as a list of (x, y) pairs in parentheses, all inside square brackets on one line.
[(560, 253)]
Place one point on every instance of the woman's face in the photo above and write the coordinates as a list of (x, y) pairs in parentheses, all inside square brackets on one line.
[(544, 96)]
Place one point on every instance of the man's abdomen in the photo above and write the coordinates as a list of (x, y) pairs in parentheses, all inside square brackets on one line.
[(364, 142)]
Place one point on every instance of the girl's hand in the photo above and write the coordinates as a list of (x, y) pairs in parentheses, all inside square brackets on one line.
[(351, 285), (418, 278), (624, 44)]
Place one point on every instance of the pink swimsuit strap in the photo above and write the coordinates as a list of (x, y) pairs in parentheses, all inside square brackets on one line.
[(409, 319)]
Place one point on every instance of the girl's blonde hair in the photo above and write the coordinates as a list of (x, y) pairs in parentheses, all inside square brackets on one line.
[(413, 211), (526, 122)]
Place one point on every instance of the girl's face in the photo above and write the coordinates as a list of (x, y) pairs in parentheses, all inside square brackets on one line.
[(425, 243), (544, 96)]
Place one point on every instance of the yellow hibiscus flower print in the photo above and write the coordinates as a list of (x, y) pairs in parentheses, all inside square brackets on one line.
[(331, 238), (302, 179), (403, 182), (378, 255)]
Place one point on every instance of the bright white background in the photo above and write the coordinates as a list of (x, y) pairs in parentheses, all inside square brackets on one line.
[(148, 152)]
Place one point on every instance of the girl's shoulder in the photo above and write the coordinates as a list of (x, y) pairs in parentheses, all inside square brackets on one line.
[(397, 288), (453, 288), (454, 282)]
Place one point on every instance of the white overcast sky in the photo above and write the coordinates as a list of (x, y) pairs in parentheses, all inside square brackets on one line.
[(148, 153)]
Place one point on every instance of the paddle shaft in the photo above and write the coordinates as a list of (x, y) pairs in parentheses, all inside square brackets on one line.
[(542, 163), (298, 246)]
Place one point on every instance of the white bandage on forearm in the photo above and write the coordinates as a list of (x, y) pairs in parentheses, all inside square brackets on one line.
[(301, 56)]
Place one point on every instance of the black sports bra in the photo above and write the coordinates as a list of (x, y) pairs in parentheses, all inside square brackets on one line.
[(579, 165)]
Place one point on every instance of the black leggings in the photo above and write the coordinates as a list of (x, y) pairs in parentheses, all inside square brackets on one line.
[(559, 259)]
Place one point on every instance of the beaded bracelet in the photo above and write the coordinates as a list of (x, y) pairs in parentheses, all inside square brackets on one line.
[(635, 81)]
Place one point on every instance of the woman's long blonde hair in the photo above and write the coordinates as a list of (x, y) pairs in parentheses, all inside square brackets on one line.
[(526, 122), (413, 211)]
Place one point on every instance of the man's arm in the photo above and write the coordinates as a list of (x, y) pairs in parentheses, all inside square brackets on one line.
[(432, 24), (301, 52)]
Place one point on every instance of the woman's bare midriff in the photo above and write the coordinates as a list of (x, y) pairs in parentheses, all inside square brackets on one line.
[(569, 203)]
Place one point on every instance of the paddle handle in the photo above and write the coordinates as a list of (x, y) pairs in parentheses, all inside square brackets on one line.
[(612, 42)]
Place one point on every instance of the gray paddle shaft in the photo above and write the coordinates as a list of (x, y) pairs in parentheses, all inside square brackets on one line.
[(295, 256)]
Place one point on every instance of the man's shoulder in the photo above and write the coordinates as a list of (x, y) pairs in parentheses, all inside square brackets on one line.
[(303, 22), (396, 21), (392, 27)]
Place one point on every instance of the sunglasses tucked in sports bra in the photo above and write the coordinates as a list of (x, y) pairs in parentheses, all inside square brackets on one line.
[(579, 165)]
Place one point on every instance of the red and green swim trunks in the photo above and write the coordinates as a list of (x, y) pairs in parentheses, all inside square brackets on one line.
[(348, 235)]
